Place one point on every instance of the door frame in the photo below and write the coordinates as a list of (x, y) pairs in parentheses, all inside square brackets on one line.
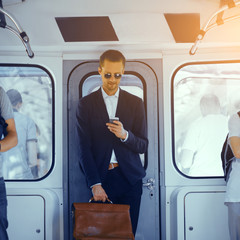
[(152, 70)]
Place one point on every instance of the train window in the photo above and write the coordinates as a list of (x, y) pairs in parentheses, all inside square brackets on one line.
[(30, 90), (129, 82), (204, 95)]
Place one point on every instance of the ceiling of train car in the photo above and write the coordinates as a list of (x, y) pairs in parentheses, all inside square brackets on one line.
[(134, 22)]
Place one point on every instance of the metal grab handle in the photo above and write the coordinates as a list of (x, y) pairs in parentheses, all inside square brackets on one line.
[(19, 32), (207, 26), (149, 184)]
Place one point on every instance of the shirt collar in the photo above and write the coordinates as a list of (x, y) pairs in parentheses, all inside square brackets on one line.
[(105, 95)]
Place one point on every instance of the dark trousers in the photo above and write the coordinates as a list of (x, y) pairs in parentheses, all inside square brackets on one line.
[(3, 211), (119, 191)]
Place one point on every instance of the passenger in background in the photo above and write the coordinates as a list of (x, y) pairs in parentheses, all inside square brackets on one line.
[(232, 199), (22, 159), (201, 149), (41, 158), (109, 152), (9, 141)]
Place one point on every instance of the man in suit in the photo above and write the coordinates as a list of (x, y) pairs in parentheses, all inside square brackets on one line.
[(109, 152)]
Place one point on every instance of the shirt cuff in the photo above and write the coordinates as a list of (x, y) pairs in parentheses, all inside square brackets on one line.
[(95, 185), (124, 140)]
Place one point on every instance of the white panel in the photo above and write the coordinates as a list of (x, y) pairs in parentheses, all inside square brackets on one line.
[(206, 216), (26, 221), (197, 213), (141, 27)]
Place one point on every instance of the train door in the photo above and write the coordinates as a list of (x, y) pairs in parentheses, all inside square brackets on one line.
[(81, 79), (203, 95), (34, 176)]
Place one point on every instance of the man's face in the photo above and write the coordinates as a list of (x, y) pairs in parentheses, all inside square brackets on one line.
[(111, 73)]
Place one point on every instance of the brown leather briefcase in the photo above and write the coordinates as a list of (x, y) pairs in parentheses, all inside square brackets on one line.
[(100, 221)]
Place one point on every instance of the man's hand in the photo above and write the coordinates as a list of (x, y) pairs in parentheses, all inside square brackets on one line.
[(117, 128), (99, 193)]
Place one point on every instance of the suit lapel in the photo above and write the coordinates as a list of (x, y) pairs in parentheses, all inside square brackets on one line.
[(100, 106)]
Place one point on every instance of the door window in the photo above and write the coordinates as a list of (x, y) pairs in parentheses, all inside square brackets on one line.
[(30, 90), (204, 95)]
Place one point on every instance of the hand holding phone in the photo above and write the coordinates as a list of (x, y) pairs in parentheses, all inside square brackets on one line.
[(116, 128)]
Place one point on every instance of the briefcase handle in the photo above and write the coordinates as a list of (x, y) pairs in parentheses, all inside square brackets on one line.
[(108, 200)]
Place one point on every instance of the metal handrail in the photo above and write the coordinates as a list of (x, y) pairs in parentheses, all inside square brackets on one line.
[(19, 32), (206, 27)]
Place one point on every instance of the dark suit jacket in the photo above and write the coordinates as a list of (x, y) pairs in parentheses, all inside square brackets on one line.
[(97, 142)]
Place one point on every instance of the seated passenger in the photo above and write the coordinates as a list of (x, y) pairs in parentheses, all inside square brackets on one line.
[(21, 161), (200, 155)]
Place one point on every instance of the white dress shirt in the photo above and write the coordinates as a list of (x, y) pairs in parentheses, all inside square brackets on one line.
[(111, 105)]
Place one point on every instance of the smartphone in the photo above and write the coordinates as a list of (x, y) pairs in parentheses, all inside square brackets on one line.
[(113, 119)]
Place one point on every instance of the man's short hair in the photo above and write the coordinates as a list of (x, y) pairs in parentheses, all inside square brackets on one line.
[(112, 56), (14, 96), (210, 104)]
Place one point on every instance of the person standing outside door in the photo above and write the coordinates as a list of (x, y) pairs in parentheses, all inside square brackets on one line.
[(232, 198), (22, 159), (109, 152), (8, 142)]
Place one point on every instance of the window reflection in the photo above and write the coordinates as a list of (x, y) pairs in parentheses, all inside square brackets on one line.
[(205, 95), (203, 141), (30, 92)]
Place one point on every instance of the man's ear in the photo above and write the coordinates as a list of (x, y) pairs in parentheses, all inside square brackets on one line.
[(99, 70)]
